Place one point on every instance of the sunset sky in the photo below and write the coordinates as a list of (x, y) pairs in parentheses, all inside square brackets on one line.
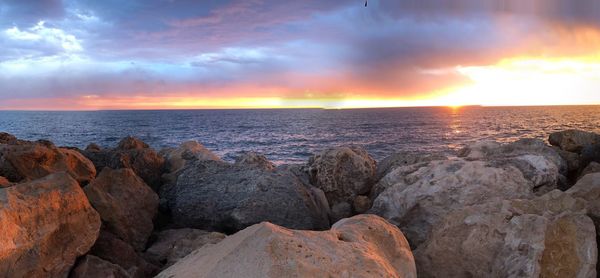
[(168, 54)]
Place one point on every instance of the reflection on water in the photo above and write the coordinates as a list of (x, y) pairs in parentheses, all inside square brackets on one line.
[(292, 135)]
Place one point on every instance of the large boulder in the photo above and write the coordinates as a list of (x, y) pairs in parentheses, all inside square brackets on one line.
[(172, 245), (32, 160), (175, 158), (573, 140), (593, 167), (114, 250), (362, 246), (126, 204), (588, 189), (343, 173), (44, 226), (403, 159), (131, 153), (253, 159), (590, 154), (218, 196), (546, 237), (418, 201), (94, 267), (6, 138), (538, 162)]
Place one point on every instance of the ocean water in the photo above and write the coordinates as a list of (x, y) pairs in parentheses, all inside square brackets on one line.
[(291, 136)]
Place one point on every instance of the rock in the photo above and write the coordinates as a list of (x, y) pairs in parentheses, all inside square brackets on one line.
[(588, 189), (418, 201), (6, 138), (132, 143), (573, 140), (343, 173), (218, 196), (133, 154), (126, 204), (175, 158), (593, 167), (590, 154), (362, 246), (402, 159), (572, 160), (172, 245), (549, 236), (33, 160), (361, 204), (112, 249), (340, 211), (93, 147), (538, 162), (44, 226), (253, 159), (94, 267), (4, 182)]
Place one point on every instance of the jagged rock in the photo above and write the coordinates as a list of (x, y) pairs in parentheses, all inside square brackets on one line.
[(4, 182), (33, 160), (573, 140), (538, 162), (418, 201), (133, 154), (253, 159), (402, 159), (112, 249), (172, 245), (94, 267), (175, 158), (593, 167), (343, 173), (126, 204), (44, 226), (549, 236), (6, 138), (362, 246), (361, 204), (218, 196)]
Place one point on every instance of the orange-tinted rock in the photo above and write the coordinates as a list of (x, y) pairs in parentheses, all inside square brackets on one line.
[(4, 182), (112, 249), (94, 267), (44, 226), (361, 246), (132, 143), (126, 205), (35, 160)]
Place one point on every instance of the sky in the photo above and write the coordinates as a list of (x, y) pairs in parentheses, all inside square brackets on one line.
[(173, 54)]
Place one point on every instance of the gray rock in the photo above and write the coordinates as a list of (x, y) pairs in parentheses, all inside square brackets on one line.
[(218, 196), (402, 159), (93, 267), (573, 140), (549, 236), (340, 211), (593, 167), (173, 245), (361, 204), (253, 159), (418, 201), (590, 154), (343, 173)]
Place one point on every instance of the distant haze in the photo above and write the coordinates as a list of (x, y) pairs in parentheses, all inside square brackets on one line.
[(171, 54)]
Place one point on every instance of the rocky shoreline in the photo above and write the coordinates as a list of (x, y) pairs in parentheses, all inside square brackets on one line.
[(522, 209)]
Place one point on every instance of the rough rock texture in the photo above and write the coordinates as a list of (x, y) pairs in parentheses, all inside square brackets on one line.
[(588, 189), (6, 138), (254, 159), (419, 200), (44, 226), (133, 154), (175, 158), (362, 246), (546, 237), (94, 267), (172, 245), (126, 204), (402, 159), (217, 196), (538, 162), (593, 167), (343, 173), (590, 154), (4, 182), (112, 249), (572, 160), (32, 160), (361, 204), (573, 140)]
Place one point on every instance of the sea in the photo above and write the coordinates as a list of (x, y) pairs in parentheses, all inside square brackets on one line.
[(293, 135)]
